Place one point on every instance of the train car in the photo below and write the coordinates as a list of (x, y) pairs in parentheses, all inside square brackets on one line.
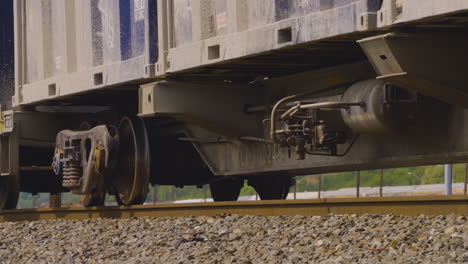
[(111, 96)]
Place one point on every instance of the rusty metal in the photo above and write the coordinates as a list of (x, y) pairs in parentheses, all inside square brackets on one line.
[(84, 158), (408, 206), (130, 184), (55, 200)]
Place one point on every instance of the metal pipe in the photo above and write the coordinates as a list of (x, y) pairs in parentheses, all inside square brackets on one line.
[(448, 179), (255, 109), (288, 98), (358, 182), (337, 105), (290, 110), (273, 115), (295, 191), (204, 140), (256, 139), (465, 189), (319, 185), (329, 105), (381, 182)]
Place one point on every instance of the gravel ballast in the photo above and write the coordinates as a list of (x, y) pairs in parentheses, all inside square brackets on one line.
[(239, 239)]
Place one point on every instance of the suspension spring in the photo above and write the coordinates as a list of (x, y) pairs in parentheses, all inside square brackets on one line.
[(72, 173)]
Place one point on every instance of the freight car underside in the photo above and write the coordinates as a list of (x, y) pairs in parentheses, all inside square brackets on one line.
[(425, 58), (398, 98)]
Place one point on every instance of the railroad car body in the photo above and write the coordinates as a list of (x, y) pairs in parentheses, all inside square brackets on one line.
[(119, 94)]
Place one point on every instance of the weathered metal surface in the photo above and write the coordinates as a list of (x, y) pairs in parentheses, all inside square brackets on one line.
[(70, 47), (408, 206), (7, 76), (429, 63), (229, 37), (132, 172), (85, 158), (65, 47), (437, 137), (207, 32), (217, 107), (55, 200), (396, 12), (384, 110)]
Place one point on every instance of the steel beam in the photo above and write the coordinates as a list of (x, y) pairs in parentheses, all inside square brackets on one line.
[(408, 206)]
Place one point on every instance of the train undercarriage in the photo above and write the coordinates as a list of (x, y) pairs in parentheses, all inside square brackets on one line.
[(378, 113)]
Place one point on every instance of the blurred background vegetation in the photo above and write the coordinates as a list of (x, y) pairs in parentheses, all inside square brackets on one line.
[(392, 177)]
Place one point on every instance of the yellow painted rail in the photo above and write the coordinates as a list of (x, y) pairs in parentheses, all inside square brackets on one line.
[(408, 206)]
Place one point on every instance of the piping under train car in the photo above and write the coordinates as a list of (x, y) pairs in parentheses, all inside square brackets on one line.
[(109, 96)]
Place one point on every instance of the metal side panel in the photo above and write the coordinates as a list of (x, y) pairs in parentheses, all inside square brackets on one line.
[(240, 38), (6, 54), (395, 12), (65, 47), (208, 32)]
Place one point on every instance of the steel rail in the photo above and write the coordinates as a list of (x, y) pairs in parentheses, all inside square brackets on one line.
[(408, 206)]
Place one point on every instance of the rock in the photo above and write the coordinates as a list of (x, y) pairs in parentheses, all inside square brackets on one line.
[(449, 231), (247, 239), (319, 243), (233, 237), (223, 232)]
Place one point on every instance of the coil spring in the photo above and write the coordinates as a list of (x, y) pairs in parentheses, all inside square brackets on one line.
[(72, 172)]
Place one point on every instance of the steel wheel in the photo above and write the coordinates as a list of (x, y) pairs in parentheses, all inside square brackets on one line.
[(98, 196), (131, 178), (226, 190), (271, 187), (9, 192)]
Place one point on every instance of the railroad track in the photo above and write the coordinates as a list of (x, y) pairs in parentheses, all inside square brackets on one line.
[(408, 206)]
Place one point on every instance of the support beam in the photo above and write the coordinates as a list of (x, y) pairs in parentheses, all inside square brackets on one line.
[(431, 64), (358, 183), (381, 182), (55, 200), (448, 179)]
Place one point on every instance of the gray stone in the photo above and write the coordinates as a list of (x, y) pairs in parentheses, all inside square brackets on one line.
[(249, 239)]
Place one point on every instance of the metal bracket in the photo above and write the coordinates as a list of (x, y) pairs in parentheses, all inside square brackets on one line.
[(83, 157), (6, 122)]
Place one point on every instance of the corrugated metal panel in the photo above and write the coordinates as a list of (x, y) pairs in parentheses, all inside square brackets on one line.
[(6, 54), (202, 19), (210, 31), (98, 43)]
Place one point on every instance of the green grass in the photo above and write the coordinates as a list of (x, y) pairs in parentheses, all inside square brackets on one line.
[(392, 177)]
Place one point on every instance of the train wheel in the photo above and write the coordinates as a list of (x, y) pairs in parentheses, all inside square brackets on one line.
[(98, 196), (226, 190), (271, 187), (131, 178), (9, 192)]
